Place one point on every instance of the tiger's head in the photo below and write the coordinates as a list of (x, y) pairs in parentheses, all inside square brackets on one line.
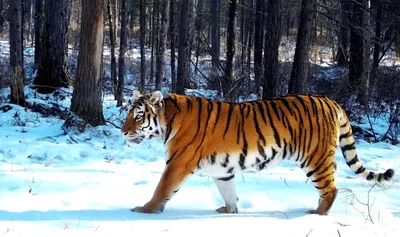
[(143, 119)]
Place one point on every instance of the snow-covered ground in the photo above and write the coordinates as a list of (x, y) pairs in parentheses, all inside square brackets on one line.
[(57, 184)]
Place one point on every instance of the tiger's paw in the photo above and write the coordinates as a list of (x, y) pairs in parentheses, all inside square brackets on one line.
[(142, 209), (227, 210)]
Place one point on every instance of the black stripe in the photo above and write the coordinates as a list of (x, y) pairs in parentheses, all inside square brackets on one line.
[(173, 155), (286, 104), (276, 135), (315, 109), (330, 110), (261, 151), (261, 110), (227, 178), (174, 102), (260, 135), (175, 191), (199, 100), (229, 118), (360, 170), (169, 129), (238, 130), (226, 161), (273, 105), (243, 155), (345, 124), (371, 175), (188, 104), (274, 152), (326, 185), (230, 170), (218, 113), (318, 166), (353, 161), (284, 149), (155, 121), (321, 178), (326, 168), (212, 158), (348, 147), (248, 109), (345, 135)]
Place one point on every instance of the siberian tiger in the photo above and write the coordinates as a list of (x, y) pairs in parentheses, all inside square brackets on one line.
[(219, 139)]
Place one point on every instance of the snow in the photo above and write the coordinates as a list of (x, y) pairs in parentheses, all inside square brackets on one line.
[(54, 183)]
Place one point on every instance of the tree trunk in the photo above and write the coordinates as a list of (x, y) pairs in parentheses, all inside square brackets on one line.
[(271, 48), (122, 50), (38, 30), (356, 63), (142, 45), (341, 57), (153, 40), (113, 65), (185, 42), (17, 75), (230, 50), (27, 5), (299, 75), (215, 44), (172, 36), (2, 19), (86, 98), (160, 60), (377, 42), (249, 30), (115, 17), (258, 44), (52, 72)]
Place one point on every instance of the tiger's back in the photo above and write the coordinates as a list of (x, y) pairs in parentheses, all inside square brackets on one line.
[(220, 139)]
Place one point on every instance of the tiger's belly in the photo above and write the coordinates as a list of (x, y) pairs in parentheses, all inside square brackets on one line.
[(222, 165)]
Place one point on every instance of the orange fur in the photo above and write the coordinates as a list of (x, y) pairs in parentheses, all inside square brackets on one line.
[(219, 139)]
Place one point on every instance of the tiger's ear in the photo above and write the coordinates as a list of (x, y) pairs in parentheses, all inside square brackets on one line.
[(136, 95), (156, 98)]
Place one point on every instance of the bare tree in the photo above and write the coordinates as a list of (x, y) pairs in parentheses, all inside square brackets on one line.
[(142, 45), (215, 42), (172, 36), (230, 49), (2, 18), (113, 65), (185, 42), (38, 30), (119, 95), (299, 75), (52, 72), (341, 57), (160, 60), (17, 75), (271, 47), (356, 54), (86, 97), (258, 44)]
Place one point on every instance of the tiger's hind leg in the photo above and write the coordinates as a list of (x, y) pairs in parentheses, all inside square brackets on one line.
[(322, 175), (226, 187)]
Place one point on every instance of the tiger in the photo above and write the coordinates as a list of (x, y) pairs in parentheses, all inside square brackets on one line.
[(219, 139)]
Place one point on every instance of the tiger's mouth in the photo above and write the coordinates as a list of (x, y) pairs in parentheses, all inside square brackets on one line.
[(132, 139)]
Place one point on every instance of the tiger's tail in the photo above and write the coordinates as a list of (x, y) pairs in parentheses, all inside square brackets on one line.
[(347, 145)]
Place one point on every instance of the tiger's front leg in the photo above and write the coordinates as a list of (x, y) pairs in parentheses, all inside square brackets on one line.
[(171, 180), (226, 187)]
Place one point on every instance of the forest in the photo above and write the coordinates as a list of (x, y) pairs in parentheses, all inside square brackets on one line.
[(70, 68), (257, 49)]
